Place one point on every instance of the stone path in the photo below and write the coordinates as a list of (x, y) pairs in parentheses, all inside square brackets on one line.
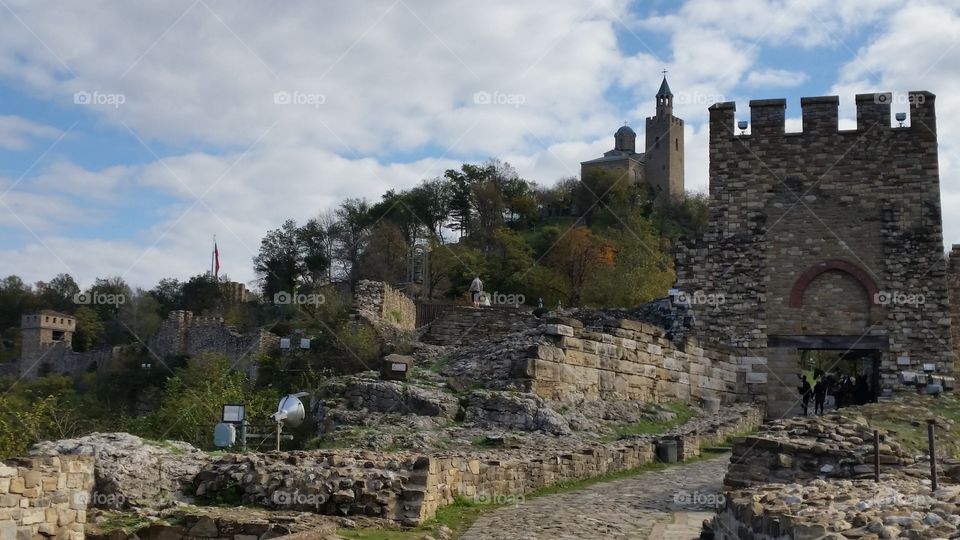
[(669, 504)]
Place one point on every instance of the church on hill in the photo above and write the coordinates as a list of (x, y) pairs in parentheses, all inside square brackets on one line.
[(660, 164)]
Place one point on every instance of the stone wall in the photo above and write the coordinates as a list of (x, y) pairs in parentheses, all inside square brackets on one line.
[(465, 325), (409, 487), (635, 361), (455, 476), (58, 357), (823, 233), (45, 497), (385, 303), (185, 334)]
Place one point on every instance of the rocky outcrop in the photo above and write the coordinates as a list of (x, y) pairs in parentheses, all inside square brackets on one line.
[(333, 483), (391, 397), (130, 471), (514, 411), (804, 448)]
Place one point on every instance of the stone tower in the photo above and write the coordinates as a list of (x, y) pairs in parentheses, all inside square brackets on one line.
[(664, 151), (42, 330), (824, 240)]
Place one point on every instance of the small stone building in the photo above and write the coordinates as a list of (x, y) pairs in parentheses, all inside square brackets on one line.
[(823, 240), (44, 329), (661, 163)]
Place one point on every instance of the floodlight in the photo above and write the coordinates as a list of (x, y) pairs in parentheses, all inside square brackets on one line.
[(234, 413), (742, 125)]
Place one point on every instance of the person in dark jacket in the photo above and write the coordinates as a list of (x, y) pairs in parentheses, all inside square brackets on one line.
[(805, 392), (819, 395)]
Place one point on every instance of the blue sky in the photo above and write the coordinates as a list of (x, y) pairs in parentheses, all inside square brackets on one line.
[(200, 146)]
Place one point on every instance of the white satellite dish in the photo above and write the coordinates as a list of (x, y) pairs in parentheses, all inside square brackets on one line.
[(290, 411)]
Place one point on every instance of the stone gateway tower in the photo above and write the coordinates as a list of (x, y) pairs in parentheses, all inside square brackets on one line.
[(660, 165), (824, 240)]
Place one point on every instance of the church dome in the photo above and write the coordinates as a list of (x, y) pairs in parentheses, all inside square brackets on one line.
[(626, 130)]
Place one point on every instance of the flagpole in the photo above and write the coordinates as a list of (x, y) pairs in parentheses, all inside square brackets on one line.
[(213, 254)]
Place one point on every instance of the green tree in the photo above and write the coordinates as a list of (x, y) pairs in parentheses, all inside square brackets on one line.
[(90, 330), (58, 294)]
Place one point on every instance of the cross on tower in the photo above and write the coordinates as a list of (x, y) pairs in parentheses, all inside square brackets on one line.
[(664, 73)]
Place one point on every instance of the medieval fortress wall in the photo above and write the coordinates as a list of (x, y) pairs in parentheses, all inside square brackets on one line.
[(824, 239), (631, 360)]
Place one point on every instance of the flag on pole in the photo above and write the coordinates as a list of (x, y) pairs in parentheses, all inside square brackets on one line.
[(216, 259)]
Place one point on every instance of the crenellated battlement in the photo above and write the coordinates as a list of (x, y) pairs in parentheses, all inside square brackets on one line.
[(821, 116)]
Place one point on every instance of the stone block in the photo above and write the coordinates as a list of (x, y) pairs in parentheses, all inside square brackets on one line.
[(396, 367), (756, 378), (559, 330)]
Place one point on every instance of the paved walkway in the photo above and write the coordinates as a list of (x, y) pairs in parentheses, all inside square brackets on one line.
[(669, 504)]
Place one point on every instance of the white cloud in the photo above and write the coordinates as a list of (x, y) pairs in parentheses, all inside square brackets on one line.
[(17, 133), (775, 78)]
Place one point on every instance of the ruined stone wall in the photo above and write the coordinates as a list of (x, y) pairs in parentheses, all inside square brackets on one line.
[(45, 497), (409, 487), (57, 357), (824, 233), (450, 477), (183, 333), (462, 325), (634, 361), (386, 303)]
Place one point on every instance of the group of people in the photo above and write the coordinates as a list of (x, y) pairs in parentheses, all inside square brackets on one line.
[(846, 390)]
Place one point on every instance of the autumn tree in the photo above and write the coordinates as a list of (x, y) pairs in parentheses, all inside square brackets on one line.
[(576, 256)]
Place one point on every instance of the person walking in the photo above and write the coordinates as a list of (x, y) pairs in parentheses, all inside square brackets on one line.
[(819, 395), (476, 289), (805, 392)]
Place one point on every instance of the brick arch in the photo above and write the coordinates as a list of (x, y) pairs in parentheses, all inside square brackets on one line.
[(807, 276)]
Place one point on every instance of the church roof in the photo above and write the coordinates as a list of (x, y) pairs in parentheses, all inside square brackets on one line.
[(664, 88), (626, 129), (617, 155)]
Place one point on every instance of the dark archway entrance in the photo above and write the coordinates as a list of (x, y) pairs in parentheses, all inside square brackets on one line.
[(789, 358)]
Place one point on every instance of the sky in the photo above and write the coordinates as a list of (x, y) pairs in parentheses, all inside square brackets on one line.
[(131, 133)]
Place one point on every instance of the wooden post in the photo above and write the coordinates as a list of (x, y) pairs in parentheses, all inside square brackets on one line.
[(933, 454), (876, 456)]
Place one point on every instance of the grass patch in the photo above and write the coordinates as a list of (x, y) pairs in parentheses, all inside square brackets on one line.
[(120, 522), (906, 420), (683, 414), (458, 517)]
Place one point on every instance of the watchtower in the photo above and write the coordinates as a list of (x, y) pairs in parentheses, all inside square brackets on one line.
[(824, 240), (44, 329)]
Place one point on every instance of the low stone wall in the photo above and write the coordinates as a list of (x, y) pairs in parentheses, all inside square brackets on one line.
[(466, 325), (409, 487), (45, 497), (184, 333), (635, 361), (455, 476)]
